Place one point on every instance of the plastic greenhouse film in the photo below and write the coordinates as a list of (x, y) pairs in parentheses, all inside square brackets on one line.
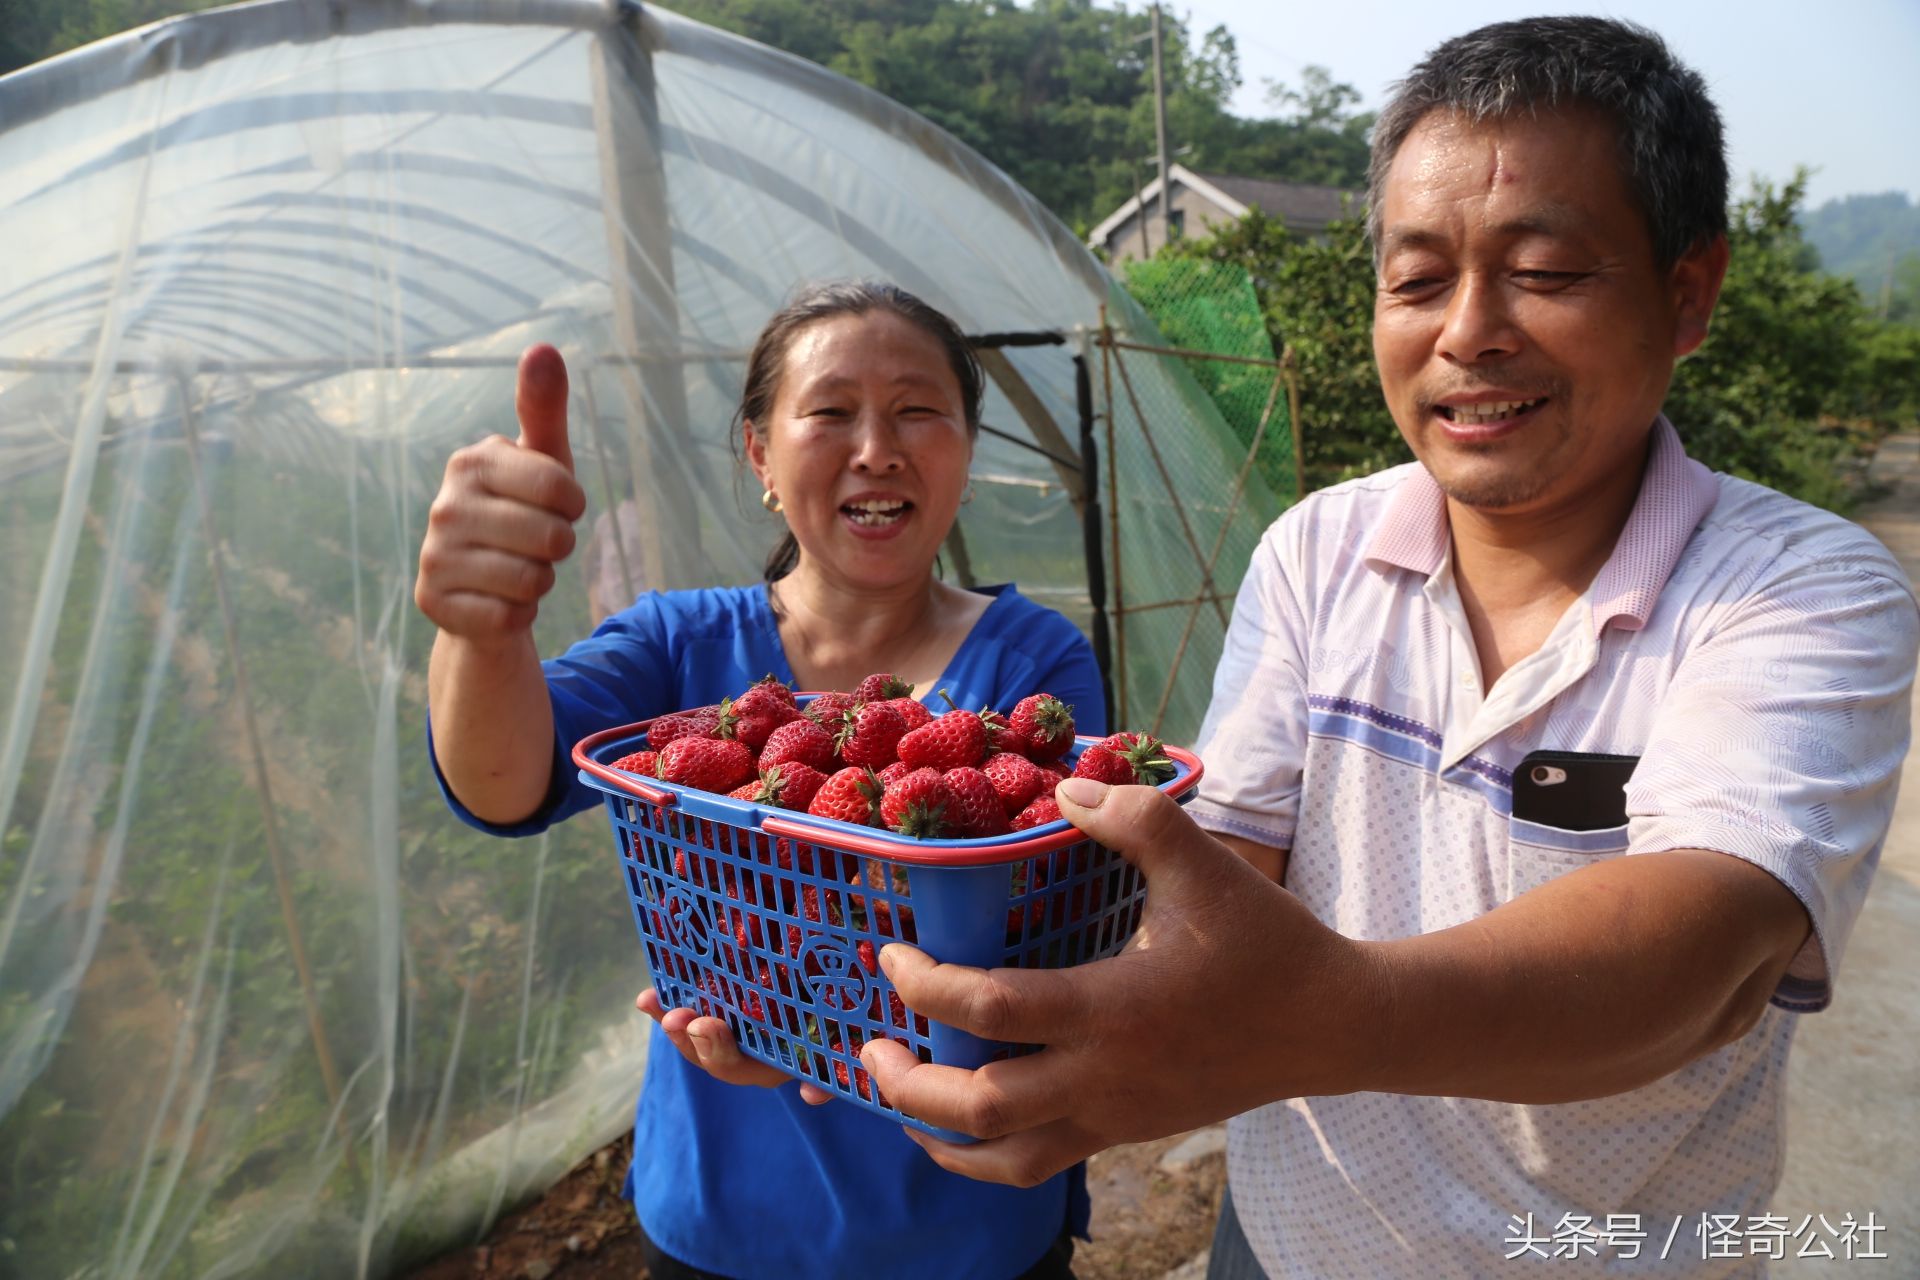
[(264, 1005)]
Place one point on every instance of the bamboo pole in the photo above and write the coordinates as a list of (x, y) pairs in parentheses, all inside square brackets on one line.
[(263, 785), (1113, 522), (1213, 557), (1290, 370)]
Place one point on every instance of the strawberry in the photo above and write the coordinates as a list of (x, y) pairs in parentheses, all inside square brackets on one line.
[(976, 810), (701, 722), (801, 740), (851, 795), (1044, 809), (1001, 735), (791, 785), (644, 763), (710, 764), (1045, 722), (1017, 780), (754, 715), (1060, 769), (913, 713), (778, 687), (881, 687), (827, 709), (870, 735), (917, 805), (1144, 753), (956, 740), (1104, 765), (894, 772)]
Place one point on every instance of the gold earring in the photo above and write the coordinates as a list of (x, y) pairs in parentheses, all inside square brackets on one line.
[(771, 502)]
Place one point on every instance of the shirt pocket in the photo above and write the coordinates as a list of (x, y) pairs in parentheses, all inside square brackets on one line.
[(1538, 853)]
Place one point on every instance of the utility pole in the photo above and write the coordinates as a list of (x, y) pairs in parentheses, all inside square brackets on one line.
[(1160, 134)]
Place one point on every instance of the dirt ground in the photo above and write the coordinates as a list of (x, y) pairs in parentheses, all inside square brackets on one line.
[(1147, 1220)]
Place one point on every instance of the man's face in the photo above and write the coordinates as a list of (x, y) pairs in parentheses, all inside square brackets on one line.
[(1524, 334)]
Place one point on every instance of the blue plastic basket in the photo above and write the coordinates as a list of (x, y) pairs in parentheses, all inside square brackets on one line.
[(773, 920)]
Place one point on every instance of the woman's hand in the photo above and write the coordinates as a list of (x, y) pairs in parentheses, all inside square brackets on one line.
[(708, 1044), (504, 517)]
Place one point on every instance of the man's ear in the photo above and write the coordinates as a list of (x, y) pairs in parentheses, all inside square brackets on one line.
[(1696, 282)]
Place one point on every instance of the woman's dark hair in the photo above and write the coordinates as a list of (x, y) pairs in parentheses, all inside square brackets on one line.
[(829, 301)]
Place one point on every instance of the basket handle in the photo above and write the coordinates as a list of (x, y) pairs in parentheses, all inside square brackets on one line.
[(628, 782)]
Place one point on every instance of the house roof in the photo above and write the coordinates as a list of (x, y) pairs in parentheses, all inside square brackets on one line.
[(1300, 205)]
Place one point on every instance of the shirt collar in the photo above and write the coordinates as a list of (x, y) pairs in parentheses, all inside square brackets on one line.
[(1676, 493)]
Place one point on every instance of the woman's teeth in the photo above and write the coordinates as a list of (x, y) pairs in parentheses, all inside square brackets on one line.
[(875, 513), (1493, 411)]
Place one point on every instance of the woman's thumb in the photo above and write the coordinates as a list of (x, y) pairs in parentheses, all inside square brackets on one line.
[(540, 402)]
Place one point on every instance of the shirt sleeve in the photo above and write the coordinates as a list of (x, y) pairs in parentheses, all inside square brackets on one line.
[(622, 673), (1074, 678), (1253, 739), (1779, 741)]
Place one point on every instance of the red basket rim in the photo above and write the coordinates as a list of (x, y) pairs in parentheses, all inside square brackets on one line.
[(846, 836)]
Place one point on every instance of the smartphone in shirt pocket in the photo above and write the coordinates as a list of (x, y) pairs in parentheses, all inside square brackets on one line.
[(1572, 790), (1569, 812)]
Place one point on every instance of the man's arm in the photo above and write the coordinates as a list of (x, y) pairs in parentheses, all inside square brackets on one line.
[(1264, 858), (1595, 983)]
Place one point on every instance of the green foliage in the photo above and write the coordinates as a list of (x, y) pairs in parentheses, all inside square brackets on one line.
[(1059, 93), (1867, 238), (1796, 378), (1211, 306), (1317, 297), (1795, 373)]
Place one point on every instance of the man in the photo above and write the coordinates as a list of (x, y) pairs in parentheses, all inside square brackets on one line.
[(1453, 1021)]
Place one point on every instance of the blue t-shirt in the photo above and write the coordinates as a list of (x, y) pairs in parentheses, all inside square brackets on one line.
[(754, 1182)]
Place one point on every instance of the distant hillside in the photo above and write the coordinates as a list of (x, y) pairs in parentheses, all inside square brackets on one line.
[(1865, 237)]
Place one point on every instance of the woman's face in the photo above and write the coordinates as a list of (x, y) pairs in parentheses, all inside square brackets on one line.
[(866, 446)]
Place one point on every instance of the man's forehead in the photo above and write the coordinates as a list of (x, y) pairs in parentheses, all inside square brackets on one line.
[(1548, 171)]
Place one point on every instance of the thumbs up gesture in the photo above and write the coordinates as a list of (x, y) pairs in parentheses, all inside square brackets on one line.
[(504, 516)]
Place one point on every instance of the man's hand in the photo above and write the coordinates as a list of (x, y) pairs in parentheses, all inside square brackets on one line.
[(504, 516), (1230, 995), (708, 1043)]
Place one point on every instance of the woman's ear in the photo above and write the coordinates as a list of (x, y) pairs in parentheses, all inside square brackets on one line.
[(756, 451)]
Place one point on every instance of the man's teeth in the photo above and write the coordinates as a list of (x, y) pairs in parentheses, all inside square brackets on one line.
[(876, 512), (1493, 411)]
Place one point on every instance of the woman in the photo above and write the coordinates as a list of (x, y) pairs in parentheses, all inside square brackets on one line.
[(859, 415)]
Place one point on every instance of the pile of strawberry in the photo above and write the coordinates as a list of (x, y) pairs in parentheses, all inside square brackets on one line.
[(877, 757)]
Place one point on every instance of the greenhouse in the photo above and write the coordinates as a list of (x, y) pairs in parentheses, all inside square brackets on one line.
[(264, 1004)]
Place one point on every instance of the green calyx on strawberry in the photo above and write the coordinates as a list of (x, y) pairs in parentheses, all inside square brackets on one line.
[(850, 795), (754, 715), (1045, 723), (881, 687), (827, 709), (916, 805), (788, 784), (870, 735), (1123, 759)]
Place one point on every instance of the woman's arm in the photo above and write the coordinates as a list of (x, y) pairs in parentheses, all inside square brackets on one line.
[(501, 521)]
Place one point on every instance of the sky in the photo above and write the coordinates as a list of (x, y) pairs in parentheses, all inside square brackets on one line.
[(1833, 85)]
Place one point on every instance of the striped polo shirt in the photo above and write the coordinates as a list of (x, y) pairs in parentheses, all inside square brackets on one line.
[(1755, 653)]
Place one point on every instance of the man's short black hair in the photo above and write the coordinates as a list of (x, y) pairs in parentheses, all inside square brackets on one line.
[(1672, 148)]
